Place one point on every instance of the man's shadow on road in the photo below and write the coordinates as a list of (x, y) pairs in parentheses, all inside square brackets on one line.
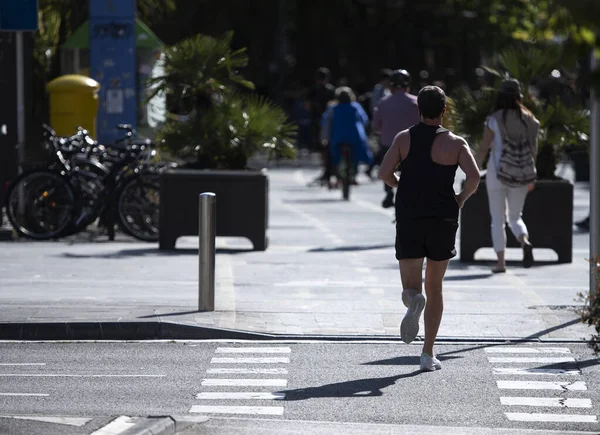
[(369, 387)]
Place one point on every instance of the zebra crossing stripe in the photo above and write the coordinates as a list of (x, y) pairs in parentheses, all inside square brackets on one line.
[(264, 360), (551, 372), (253, 350), (539, 385), (240, 396), (253, 410), (22, 364), (553, 402), (248, 371), (536, 350), (244, 383), (554, 418), (545, 360)]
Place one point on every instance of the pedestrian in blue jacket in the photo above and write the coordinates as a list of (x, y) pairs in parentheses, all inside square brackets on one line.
[(345, 123)]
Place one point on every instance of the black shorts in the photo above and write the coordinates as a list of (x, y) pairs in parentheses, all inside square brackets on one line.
[(433, 238)]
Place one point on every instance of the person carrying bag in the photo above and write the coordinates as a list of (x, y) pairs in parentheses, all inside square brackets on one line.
[(511, 137)]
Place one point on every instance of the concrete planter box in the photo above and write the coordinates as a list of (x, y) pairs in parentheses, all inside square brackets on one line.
[(548, 214), (242, 204)]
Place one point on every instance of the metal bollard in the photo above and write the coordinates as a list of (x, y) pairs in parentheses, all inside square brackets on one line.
[(207, 231)]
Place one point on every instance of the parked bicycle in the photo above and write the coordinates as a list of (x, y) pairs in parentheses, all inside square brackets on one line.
[(87, 182)]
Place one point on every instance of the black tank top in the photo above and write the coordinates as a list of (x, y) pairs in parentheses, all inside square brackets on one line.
[(426, 188)]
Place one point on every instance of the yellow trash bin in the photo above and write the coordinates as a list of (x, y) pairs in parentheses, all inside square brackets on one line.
[(73, 103)]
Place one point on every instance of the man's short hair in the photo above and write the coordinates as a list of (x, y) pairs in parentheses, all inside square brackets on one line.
[(431, 102)]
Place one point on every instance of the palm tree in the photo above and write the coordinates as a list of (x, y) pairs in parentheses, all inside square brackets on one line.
[(200, 68), (214, 121)]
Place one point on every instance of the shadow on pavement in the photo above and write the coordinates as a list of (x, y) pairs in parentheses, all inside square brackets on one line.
[(312, 200), (352, 248), (572, 365), (470, 277), (406, 360), (151, 251), (358, 388), (512, 343), (153, 316)]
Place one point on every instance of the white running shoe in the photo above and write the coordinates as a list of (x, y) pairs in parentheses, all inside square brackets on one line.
[(430, 363), (409, 328)]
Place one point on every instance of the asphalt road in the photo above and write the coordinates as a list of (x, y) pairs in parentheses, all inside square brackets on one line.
[(480, 386)]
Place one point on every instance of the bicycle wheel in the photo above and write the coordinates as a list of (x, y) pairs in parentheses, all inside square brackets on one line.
[(40, 205), (89, 195), (138, 209)]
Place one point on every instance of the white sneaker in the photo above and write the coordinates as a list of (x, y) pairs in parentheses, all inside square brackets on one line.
[(430, 363), (409, 328)]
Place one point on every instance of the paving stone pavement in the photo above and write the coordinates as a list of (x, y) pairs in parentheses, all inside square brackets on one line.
[(329, 269)]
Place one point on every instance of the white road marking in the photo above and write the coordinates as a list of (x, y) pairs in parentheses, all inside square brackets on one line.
[(240, 396), (67, 421), (317, 223), (540, 385), (548, 360), (552, 372), (248, 371), (254, 410), (553, 402), (22, 364), (66, 375), (244, 382), (253, 350), (555, 418), (25, 394), (324, 283), (265, 360), (117, 426), (562, 350)]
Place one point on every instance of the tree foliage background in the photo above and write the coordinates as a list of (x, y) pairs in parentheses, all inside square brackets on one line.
[(288, 39)]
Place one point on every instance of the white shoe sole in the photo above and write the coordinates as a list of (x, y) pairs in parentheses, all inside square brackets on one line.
[(409, 328)]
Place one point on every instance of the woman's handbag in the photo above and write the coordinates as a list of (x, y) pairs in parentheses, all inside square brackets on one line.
[(517, 162)]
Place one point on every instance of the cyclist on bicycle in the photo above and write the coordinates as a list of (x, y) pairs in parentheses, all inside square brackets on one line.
[(344, 123)]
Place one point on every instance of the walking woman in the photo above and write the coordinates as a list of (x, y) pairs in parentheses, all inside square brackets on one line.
[(511, 133)]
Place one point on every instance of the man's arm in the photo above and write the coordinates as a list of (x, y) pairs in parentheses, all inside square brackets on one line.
[(393, 156), (467, 163)]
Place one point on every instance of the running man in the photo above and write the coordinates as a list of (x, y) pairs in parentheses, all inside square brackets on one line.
[(427, 212), (393, 114)]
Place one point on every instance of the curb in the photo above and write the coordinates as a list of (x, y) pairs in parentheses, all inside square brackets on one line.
[(122, 331), (153, 426), (119, 331)]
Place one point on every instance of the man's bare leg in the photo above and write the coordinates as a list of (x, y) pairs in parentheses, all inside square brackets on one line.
[(411, 273), (434, 275)]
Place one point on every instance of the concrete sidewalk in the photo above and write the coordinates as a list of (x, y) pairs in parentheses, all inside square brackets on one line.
[(329, 270)]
